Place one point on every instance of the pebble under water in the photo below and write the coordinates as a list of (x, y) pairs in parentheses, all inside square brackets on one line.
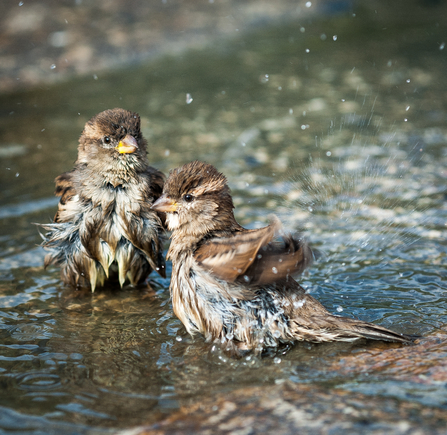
[(342, 137)]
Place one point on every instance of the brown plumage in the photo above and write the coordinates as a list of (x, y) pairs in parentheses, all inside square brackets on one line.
[(104, 225), (234, 285)]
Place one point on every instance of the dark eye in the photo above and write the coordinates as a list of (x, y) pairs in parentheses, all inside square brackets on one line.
[(106, 139), (188, 197)]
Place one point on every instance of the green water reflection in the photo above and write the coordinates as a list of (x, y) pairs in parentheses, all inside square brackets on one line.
[(346, 141)]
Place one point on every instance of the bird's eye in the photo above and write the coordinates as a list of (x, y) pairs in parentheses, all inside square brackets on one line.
[(106, 139), (188, 197)]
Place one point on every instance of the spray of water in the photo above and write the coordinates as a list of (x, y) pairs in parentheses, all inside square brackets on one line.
[(364, 199)]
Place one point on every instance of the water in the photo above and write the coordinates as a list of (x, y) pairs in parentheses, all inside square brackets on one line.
[(345, 142)]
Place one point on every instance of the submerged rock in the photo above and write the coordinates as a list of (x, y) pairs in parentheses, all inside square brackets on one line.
[(290, 408)]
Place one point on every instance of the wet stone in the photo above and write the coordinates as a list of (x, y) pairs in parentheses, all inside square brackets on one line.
[(292, 408)]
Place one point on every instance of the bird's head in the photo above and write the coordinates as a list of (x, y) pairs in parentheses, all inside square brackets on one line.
[(113, 137), (196, 200)]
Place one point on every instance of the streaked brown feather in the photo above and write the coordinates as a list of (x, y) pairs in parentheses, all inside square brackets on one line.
[(252, 257), (228, 258), (104, 213), (235, 286)]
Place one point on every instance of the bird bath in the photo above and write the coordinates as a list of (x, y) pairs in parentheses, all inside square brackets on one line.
[(337, 127)]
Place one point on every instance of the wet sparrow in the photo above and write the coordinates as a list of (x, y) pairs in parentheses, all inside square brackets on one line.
[(234, 285), (104, 223)]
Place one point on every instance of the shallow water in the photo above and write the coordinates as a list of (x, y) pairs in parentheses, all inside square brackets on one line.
[(346, 142)]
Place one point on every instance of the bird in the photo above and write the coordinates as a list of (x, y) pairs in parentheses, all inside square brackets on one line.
[(235, 285), (104, 229)]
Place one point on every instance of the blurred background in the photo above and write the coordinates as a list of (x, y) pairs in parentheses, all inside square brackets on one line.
[(46, 41), (331, 114)]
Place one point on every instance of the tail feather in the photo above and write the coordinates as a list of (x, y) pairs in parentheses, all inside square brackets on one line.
[(370, 331), (324, 328), (375, 332)]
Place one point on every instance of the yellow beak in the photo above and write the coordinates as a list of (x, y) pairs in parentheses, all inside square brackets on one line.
[(128, 145), (164, 204)]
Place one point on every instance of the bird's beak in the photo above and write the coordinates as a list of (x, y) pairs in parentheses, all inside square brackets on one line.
[(165, 204), (128, 145)]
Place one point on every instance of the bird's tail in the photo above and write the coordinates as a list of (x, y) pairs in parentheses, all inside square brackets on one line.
[(372, 331), (337, 328)]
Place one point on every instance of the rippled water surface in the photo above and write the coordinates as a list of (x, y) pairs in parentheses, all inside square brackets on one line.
[(338, 126)]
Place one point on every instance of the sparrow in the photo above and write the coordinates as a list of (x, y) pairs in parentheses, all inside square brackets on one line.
[(104, 226), (234, 285)]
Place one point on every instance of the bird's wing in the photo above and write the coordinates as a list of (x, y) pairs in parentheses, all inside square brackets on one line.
[(64, 189), (157, 181), (253, 257)]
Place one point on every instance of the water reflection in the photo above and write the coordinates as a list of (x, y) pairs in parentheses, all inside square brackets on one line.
[(323, 143)]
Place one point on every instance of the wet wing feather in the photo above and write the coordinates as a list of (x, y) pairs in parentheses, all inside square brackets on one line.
[(253, 258)]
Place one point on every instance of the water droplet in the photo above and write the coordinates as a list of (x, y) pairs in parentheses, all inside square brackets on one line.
[(53, 66), (328, 153), (189, 99), (299, 304), (277, 360), (310, 209), (178, 338), (279, 88), (308, 4), (323, 37), (264, 78), (339, 308), (274, 270), (17, 174), (302, 29), (21, 3), (408, 80), (405, 119), (95, 77), (307, 50), (335, 37), (407, 108), (441, 47), (290, 111)]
